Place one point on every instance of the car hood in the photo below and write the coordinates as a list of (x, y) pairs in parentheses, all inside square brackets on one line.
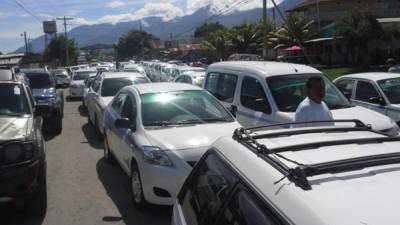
[(44, 92), (367, 116), (12, 128), (189, 137)]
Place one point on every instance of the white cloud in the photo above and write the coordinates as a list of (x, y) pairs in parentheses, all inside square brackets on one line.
[(116, 4), (226, 6), (166, 10)]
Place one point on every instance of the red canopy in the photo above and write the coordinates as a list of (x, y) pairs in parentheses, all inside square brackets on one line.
[(294, 48)]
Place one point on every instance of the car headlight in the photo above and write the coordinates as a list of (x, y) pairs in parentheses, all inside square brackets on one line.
[(156, 156), (18, 152)]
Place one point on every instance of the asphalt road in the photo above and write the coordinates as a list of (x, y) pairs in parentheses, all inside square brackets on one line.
[(83, 189)]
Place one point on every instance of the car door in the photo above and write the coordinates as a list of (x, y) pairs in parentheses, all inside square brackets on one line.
[(91, 99), (365, 91), (112, 114), (126, 140), (223, 86), (254, 108)]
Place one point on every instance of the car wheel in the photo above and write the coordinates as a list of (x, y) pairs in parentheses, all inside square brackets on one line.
[(57, 126), (137, 189), (108, 156), (37, 204)]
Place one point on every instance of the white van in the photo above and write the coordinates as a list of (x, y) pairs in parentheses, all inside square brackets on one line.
[(261, 93), (303, 176)]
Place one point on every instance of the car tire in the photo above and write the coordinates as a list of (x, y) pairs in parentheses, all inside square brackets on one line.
[(57, 126), (37, 204), (138, 198), (108, 156)]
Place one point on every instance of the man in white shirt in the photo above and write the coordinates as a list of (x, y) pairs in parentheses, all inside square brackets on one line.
[(313, 108), (393, 66)]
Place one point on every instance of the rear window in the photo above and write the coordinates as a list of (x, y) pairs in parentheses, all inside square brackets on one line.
[(5, 75), (82, 75), (111, 86), (40, 80)]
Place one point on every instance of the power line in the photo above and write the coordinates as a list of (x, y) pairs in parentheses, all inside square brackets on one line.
[(27, 11), (66, 37)]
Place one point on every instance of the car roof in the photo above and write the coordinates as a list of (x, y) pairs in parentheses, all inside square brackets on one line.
[(34, 71), (374, 76), (85, 70), (368, 195), (121, 75), (163, 87), (264, 68)]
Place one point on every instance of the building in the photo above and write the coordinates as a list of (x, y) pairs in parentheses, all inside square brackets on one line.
[(325, 12)]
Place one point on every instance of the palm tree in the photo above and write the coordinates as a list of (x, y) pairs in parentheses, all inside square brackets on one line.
[(218, 45), (246, 37), (296, 31)]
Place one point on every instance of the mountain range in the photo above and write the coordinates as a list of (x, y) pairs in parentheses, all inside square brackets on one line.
[(178, 27)]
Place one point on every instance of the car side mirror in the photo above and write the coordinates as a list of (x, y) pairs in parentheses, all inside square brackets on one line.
[(261, 105), (377, 100), (125, 123)]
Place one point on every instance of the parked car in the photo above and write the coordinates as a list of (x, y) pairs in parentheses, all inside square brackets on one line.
[(261, 93), (77, 83), (102, 92), (61, 76), (49, 100), (134, 68), (191, 77), (158, 131), (179, 70), (376, 91), (87, 88), (304, 176), (22, 147)]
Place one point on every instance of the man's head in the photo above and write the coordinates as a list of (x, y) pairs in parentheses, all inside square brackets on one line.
[(391, 62), (315, 88)]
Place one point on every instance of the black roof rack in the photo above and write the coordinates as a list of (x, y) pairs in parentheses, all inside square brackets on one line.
[(299, 174)]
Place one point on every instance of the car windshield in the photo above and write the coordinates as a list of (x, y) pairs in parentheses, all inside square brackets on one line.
[(182, 107), (111, 86), (82, 75), (289, 91), (40, 80), (13, 101), (391, 88)]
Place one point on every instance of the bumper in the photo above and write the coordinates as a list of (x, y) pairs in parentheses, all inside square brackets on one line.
[(19, 181), (76, 91), (169, 179)]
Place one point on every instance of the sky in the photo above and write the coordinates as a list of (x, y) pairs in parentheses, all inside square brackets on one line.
[(14, 20)]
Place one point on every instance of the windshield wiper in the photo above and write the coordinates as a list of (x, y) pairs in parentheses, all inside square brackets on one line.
[(12, 114), (216, 120), (339, 106), (164, 123)]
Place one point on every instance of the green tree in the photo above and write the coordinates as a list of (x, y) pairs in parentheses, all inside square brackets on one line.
[(246, 38), (356, 30), (55, 51), (296, 31), (218, 45), (206, 29), (134, 43)]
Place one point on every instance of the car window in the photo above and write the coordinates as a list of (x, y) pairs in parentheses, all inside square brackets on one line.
[(222, 86), (110, 86), (13, 100), (179, 79), (96, 85), (129, 109), (181, 107), (40, 81), (346, 86), (252, 96), (245, 209), (206, 191), (391, 88), (117, 102), (365, 91)]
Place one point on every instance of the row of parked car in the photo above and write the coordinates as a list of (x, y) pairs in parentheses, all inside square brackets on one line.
[(195, 148)]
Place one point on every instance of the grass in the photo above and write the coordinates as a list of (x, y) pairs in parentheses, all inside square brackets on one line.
[(337, 72)]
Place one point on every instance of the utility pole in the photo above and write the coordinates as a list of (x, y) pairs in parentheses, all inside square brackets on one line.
[(66, 37), (26, 42), (265, 29)]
